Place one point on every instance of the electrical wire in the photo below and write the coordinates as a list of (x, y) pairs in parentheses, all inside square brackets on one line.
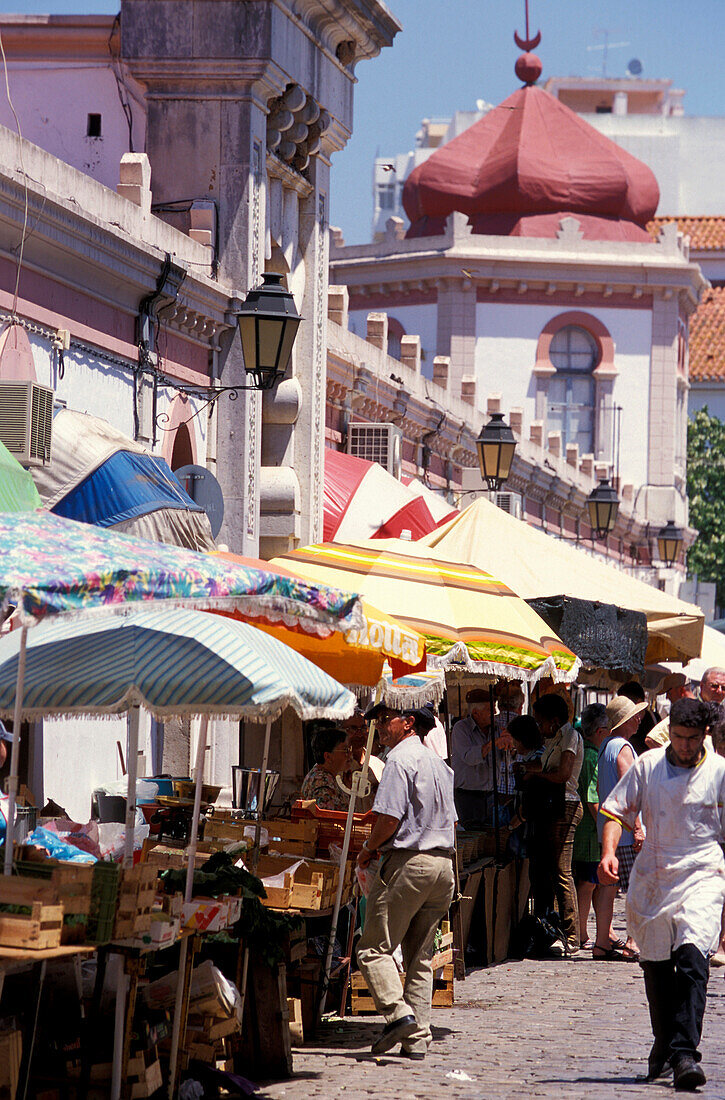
[(21, 249), (120, 86)]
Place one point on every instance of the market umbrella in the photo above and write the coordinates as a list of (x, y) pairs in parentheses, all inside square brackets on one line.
[(538, 566), (50, 565), (358, 657), (17, 488), (467, 616), (174, 662)]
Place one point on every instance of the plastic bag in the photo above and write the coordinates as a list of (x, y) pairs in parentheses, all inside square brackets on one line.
[(366, 875), (57, 847), (112, 838)]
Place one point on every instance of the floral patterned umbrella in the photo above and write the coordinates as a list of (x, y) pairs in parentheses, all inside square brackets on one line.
[(50, 565)]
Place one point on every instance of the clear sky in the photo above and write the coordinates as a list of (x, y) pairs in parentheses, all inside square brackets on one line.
[(452, 52)]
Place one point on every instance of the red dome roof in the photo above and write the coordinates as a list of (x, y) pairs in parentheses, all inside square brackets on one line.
[(525, 165)]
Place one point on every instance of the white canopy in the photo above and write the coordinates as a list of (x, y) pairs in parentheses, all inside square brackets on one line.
[(535, 565)]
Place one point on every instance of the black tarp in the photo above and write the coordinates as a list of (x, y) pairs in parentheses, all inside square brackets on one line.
[(601, 634)]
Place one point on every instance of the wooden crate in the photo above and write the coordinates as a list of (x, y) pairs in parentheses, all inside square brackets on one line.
[(136, 898), (72, 884), (165, 856), (332, 825), (361, 1000), (296, 1030), (41, 927), (313, 885), (144, 1073), (11, 1051)]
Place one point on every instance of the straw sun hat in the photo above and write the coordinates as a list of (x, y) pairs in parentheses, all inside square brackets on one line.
[(620, 709)]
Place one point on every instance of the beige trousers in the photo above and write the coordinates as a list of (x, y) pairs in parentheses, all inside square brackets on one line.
[(410, 894)]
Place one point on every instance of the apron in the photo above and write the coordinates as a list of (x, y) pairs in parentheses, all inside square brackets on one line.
[(677, 887)]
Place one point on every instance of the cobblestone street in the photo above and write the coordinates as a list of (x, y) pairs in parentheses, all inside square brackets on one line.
[(574, 1028)]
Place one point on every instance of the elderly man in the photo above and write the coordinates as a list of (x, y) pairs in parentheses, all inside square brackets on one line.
[(471, 760), (414, 833), (712, 690), (678, 883)]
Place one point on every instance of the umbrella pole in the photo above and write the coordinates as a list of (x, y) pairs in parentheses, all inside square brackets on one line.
[(358, 779), (131, 773), (255, 852), (494, 769), (194, 838), (15, 753), (188, 888)]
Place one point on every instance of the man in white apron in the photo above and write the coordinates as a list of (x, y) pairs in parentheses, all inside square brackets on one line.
[(677, 886)]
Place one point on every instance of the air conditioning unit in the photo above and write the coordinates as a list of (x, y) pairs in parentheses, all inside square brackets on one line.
[(26, 421), (377, 443), (509, 502)]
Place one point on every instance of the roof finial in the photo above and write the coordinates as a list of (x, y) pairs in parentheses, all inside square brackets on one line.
[(528, 67)]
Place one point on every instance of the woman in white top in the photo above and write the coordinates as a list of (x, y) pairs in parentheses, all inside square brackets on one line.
[(559, 766)]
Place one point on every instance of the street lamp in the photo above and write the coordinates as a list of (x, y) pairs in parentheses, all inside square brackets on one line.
[(602, 506), (669, 542), (495, 445), (268, 321)]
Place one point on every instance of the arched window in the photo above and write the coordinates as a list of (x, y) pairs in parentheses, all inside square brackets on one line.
[(571, 392), (182, 454)]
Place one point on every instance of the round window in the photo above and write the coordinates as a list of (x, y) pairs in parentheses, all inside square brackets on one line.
[(573, 350)]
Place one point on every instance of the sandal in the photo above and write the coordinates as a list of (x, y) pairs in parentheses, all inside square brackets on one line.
[(630, 955), (619, 945), (586, 945), (611, 954)]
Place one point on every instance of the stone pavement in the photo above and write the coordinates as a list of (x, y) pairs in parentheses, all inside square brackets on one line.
[(563, 1028)]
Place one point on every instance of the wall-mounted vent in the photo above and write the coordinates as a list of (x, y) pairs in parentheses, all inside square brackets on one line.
[(509, 502), (377, 443), (26, 421)]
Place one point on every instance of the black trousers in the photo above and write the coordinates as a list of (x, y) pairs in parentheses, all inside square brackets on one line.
[(676, 993), (473, 807)]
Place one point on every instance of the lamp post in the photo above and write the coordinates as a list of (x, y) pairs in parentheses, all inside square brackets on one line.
[(495, 445), (669, 542), (602, 507), (268, 323)]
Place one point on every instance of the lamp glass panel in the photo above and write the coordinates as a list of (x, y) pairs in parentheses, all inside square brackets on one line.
[(507, 457), (248, 335), (270, 340), (288, 339), (669, 550)]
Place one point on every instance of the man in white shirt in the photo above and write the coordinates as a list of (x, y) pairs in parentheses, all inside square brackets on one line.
[(677, 886), (413, 889)]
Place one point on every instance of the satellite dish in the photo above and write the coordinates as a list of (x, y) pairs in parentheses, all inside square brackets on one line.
[(204, 490), (635, 67)]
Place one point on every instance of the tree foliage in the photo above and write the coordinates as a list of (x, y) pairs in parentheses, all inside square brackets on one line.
[(706, 492)]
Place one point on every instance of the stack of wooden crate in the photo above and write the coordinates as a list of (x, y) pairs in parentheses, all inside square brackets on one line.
[(31, 917), (311, 884), (361, 1000), (136, 898), (72, 885)]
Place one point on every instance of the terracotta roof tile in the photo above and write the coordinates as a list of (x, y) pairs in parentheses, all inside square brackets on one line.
[(707, 337), (706, 234)]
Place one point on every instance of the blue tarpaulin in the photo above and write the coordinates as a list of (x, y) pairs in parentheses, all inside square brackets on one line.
[(124, 487)]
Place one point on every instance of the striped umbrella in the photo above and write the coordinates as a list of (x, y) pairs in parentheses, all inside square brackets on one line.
[(468, 617), (175, 662)]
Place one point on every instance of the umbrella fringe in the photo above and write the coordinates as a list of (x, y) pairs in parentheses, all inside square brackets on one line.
[(275, 610), (254, 713), (458, 657)]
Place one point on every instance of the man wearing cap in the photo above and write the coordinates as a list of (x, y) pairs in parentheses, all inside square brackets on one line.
[(413, 889), (471, 760), (675, 687), (615, 757)]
